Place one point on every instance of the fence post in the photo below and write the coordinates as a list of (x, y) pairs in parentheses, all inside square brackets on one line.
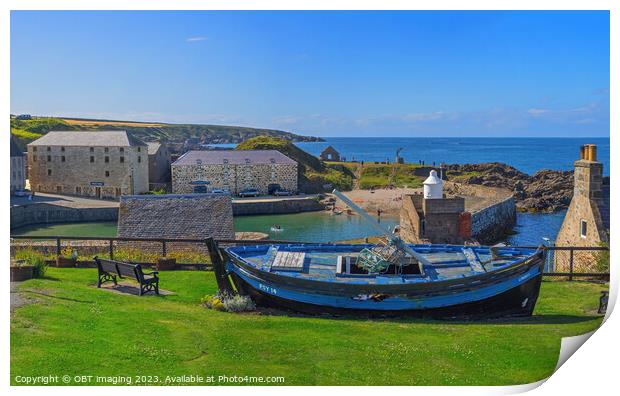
[(163, 248), (58, 247), (570, 265), (111, 249)]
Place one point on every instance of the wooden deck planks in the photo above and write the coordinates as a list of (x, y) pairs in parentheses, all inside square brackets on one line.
[(473, 260), (289, 261)]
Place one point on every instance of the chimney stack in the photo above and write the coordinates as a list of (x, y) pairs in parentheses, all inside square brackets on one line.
[(588, 173)]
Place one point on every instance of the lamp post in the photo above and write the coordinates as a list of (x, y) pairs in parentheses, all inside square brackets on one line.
[(549, 261)]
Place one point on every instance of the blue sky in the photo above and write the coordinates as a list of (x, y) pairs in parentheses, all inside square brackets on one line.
[(320, 73)]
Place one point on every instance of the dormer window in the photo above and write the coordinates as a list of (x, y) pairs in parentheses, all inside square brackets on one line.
[(273, 161), (247, 160), (225, 160), (198, 161)]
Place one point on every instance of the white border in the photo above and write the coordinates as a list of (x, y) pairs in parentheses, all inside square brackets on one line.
[(591, 371)]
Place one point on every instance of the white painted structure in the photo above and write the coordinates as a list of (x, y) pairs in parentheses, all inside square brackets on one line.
[(433, 186)]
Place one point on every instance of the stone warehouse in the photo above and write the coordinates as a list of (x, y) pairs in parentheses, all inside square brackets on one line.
[(18, 168), (233, 171), (101, 164), (159, 164)]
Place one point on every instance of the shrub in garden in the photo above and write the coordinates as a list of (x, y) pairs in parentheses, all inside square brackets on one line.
[(34, 258), (229, 303)]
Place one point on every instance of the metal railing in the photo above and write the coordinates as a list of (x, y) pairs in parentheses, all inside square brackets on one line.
[(565, 261)]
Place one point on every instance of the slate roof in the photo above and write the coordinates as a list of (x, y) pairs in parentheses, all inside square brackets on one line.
[(329, 149), (234, 157), (194, 216), (153, 147), (88, 138), (15, 151)]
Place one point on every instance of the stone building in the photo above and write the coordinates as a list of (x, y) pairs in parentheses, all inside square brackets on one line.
[(587, 220), (159, 164), (432, 218), (191, 216), (330, 154), (233, 171), (18, 167), (100, 164)]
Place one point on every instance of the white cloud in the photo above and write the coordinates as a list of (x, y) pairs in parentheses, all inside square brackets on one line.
[(195, 39), (536, 112)]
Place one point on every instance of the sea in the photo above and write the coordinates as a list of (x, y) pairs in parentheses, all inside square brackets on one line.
[(529, 155)]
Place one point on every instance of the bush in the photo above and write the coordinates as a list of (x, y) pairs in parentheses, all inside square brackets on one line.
[(602, 258), (239, 303), (232, 303), (34, 258)]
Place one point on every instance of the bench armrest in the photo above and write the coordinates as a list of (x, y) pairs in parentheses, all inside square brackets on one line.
[(151, 273)]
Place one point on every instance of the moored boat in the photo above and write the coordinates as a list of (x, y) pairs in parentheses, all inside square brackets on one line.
[(454, 281)]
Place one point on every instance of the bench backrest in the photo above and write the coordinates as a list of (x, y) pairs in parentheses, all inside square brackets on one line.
[(131, 270), (107, 266)]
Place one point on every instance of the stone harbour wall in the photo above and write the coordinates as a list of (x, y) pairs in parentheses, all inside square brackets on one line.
[(490, 224), (48, 214), (275, 206)]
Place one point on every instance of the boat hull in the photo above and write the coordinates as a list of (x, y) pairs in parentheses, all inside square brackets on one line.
[(513, 292)]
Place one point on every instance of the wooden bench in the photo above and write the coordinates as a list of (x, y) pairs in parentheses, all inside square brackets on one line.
[(110, 269)]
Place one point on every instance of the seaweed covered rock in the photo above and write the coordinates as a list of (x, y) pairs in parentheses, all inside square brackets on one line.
[(547, 190)]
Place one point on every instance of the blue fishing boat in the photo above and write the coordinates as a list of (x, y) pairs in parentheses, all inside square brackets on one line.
[(445, 281)]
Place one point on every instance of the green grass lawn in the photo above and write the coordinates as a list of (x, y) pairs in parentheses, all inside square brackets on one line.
[(73, 328)]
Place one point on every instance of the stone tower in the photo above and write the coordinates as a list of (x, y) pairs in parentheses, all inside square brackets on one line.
[(587, 219), (431, 217)]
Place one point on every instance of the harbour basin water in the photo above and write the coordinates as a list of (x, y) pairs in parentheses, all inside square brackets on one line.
[(313, 227)]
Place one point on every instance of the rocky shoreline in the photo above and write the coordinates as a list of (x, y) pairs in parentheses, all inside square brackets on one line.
[(545, 191)]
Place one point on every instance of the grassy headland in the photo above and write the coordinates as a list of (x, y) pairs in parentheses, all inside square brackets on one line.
[(28, 130), (313, 173), (73, 328)]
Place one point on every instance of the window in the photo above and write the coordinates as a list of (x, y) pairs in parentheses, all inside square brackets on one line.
[(105, 150), (34, 149), (107, 159), (583, 229), (92, 149), (62, 149), (92, 159), (49, 148), (107, 173), (139, 159), (49, 158), (122, 160), (139, 149), (78, 190), (122, 150), (49, 172), (62, 158), (34, 158)]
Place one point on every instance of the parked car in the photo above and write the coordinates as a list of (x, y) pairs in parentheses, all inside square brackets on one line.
[(280, 192), (249, 192), (219, 191), (22, 193)]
